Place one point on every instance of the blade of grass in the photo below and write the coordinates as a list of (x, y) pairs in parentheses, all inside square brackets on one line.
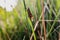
[(32, 28), (53, 25)]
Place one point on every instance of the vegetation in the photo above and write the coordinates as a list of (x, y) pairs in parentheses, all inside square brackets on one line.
[(31, 20)]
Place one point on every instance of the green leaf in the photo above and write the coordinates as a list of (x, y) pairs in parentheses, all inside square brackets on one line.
[(58, 3)]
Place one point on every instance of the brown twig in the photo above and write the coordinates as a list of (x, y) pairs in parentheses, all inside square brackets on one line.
[(39, 35), (50, 20), (59, 35), (43, 22)]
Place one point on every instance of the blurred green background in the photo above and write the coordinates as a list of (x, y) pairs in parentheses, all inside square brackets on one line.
[(18, 24)]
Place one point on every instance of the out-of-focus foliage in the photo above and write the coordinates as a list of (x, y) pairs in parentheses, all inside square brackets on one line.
[(58, 4), (17, 25)]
